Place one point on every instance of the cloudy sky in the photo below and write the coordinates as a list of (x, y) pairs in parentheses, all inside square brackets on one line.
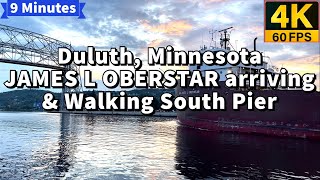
[(185, 24)]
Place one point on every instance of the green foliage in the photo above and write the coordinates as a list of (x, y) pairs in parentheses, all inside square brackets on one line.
[(22, 100), (31, 100)]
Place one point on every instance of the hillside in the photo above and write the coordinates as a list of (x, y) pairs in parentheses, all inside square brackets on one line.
[(21, 100), (30, 100)]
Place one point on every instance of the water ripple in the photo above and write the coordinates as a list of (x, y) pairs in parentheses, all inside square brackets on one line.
[(54, 146)]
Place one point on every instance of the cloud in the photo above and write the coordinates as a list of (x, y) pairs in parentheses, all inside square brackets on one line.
[(307, 64), (172, 28)]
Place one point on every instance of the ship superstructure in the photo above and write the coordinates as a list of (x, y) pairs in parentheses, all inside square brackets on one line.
[(297, 114)]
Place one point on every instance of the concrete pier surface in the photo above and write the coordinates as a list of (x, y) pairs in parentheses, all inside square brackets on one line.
[(123, 113)]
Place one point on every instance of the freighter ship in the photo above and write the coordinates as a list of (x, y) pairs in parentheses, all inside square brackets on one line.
[(297, 114)]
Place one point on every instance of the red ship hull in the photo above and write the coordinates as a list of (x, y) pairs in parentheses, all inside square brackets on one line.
[(296, 114)]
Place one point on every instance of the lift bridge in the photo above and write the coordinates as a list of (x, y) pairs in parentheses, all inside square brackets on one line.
[(22, 47)]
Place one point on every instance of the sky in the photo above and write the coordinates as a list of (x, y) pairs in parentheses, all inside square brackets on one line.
[(184, 24)]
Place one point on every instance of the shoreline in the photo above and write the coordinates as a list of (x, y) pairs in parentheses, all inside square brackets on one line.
[(118, 113), (122, 113)]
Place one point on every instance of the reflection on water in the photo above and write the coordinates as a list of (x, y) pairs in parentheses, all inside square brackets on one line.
[(41, 145), (204, 154)]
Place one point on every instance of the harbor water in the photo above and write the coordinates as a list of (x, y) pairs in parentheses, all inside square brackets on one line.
[(54, 146)]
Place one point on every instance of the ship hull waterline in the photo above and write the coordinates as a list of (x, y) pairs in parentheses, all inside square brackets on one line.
[(296, 114)]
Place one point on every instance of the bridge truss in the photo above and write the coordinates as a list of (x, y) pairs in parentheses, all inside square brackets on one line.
[(18, 46)]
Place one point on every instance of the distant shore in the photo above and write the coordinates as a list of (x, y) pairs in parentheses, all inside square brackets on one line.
[(119, 113)]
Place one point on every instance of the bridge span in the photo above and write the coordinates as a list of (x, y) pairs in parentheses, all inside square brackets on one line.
[(23, 47)]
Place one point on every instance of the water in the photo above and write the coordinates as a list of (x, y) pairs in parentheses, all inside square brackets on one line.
[(40, 145)]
